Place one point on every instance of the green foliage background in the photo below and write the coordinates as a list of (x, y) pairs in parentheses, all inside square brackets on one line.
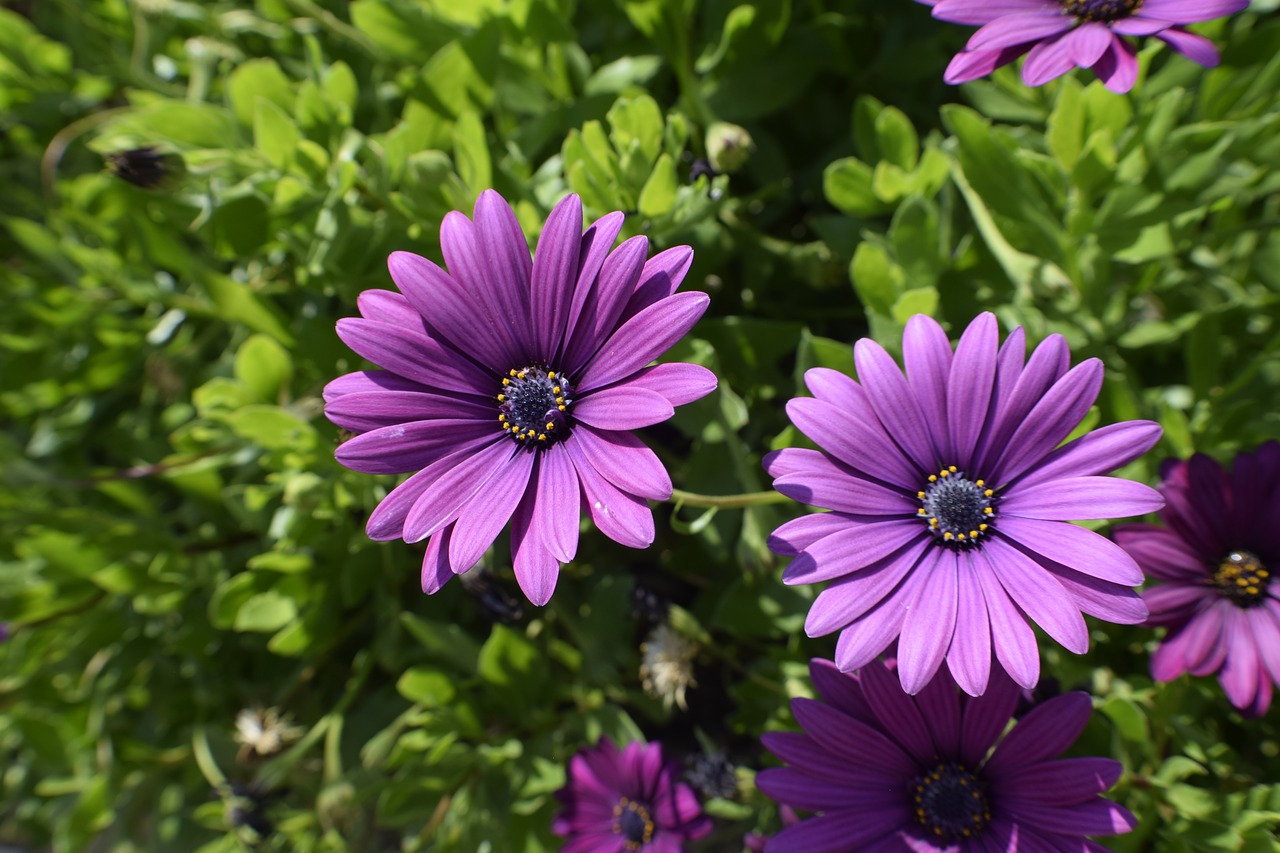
[(177, 542)]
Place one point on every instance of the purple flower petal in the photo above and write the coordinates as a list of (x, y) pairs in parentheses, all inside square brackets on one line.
[(870, 634), (622, 407), (838, 832), (860, 745), (554, 274), (1082, 498), (1086, 43), (849, 598), (440, 502), (1012, 637), (795, 748), (622, 517), (484, 516), (1045, 732), (1192, 11), (1105, 449), (930, 621), (1160, 552), (1102, 599), (1118, 67), (840, 689), (643, 338), (660, 278), (408, 447), (1266, 636), (1038, 594), (1074, 547), (436, 569), (596, 244), (830, 486), (853, 442), (796, 789), (979, 12), (799, 533), (383, 306), (851, 549), (369, 382), (969, 658), (414, 356), (1047, 61), (1137, 25), (970, 382), (366, 411), (680, 383), (556, 509), (625, 461), (971, 64), (1241, 671), (1048, 364), (1019, 28), (603, 310), (1051, 420), (1063, 781), (896, 714), (894, 404), (536, 569), (926, 355), (386, 522), (1172, 604), (507, 255), (1095, 817), (985, 718)]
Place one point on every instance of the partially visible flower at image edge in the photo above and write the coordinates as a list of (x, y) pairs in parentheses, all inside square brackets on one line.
[(1058, 35), (628, 800), (510, 386), (887, 771), (1216, 557), (951, 502)]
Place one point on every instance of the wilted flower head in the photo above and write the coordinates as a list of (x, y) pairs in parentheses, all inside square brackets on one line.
[(713, 775), (510, 387), (889, 771), (951, 502), (627, 801), (264, 731), (666, 666), (1058, 35), (1216, 556)]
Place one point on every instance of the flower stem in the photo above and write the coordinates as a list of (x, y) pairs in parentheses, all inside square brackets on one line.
[(679, 496)]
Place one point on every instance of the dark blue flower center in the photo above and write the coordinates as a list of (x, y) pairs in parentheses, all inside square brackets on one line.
[(1242, 579), (1100, 11), (958, 509), (533, 407), (631, 820), (950, 803)]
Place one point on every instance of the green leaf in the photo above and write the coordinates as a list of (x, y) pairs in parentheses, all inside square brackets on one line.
[(896, 138), (847, 184), (272, 427), (471, 152), (429, 687), (238, 304), (265, 612), (637, 122), (876, 278), (263, 366), (1065, 131), (460, 76), (659, 194), (919, 300), (258, 79)]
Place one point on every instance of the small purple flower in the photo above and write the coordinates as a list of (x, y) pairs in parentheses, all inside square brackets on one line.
[(1216, 554), (510, 388), (951, 501), (627, 801), (889, 772), (1058, 35)]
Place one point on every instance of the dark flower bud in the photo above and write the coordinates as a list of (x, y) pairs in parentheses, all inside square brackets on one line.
[(143, 167)]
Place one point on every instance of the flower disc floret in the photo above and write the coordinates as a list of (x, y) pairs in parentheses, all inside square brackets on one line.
[(958, 509), (533, 406), (1242, 579), (631, 820), (950, 803), (1102, 11)]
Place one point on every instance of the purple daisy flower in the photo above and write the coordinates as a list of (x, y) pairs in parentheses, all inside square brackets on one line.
[(510, 387), (889, 772), (624, 801), (950, 504), (1058, 35), (1216, 555)]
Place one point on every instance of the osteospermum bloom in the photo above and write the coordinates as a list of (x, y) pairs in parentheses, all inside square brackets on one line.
[(951, 503), (1216, 556), (1058, 35), (887, 771), (510, 387), (627, 801)]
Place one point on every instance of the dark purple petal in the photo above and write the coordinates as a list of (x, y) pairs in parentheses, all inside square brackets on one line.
[(402, 448), (622, 517), (440, 502), (436, 569), (643, 338), (839, 832), (985, 718), (659, 279), (896, 714), (679, 382), (1038, 594), (839, 689), (465, 255), (1082, 498), (1099, 452), (366, 411), (894, 404), (926, 355), (625, 461), (857, 444), (1172, 604), (969, 385), (798, 790), (1095, 817), (484, 516), (849, 598), (940, 705), (596, 244), (930, 621), (622, 407), (860, 745), (1060, 782), (1050, 421), (1160, 552), (1075, 547), (969, 658), (555, 272), (802, 751), (1045, 732), (603, 310), (415, 356), (367, 382), (853, 548)]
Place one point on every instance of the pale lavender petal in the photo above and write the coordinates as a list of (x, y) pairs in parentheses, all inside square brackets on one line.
[(1266, 638), (850, 598), (386, 522), (1098, 452), (643, 338), (466, 256), (1118, 67), (894, 404), (969, 384), (851, 549), (853, 442), (1075, 547), (536, 570), (623, 517), (596, 244), (1045, 732), (679, 382), (415, 356), (365, 411), (452, 313), (507, 254), (795, 535), (1051, 420), (555, 271), (368, 382), (793, 460), (488, 511), (930, 621), (625, 461), (1103, 599), (971, 64), (834, 387), (660, 278), (451, 489), (869, 635), (979, 12), (1192, 11), (1196, 48), (622, 407), (402, 448), (926, 355), (1082, 498), (969, 658), (1038, 594), (1086, 43), (1137, 25), (1019, 28), (599, 318), (1012, 637)]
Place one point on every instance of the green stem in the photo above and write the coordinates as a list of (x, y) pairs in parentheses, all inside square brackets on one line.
[(679, 496)]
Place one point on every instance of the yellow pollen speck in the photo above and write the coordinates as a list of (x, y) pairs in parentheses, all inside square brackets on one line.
[(980, 483), (1241, 582), (951, 468), (501, 397), (988, 510), (1252, 590), (933, 478), (933, 522), (945, 473), (920, 495), (947, 535), (988, 493), (506, 381), (561, 408), (560, 401), (542, 436), (1263, 573), (982, 527), (511, 372), (973, 534), (555, 389), (551, 374), (551, 425), (960, 536)]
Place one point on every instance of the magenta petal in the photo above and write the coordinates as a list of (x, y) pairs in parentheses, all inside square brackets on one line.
[(436, 569), (1160, 552), (930, 622), (680, 383), (1172, 604), (971, 64), (555, 271), (384, 306), (1019, 28), (1074, 547), (1081, 498), (414, 356), (1192, 11), (979, 12), (536, 570), (1102, 599), (484, 516), (1047, 365), (1241, 670), (659, 279), (1137, 25), (507, 255), (969, 384), (366, 411), (1086, 43), (603, 310), (440, 502), (1118, 67), (926, 355), (625, 461), (401, 448), (1266, 638), (622, 407), (556, 509), (643, 338), (1196, 48), (622, 517), (969, 658)]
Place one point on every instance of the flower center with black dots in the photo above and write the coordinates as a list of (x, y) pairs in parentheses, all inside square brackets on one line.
[(1100, 11), (1242, 579), (958, 510), (949, 803), (533, 406), (631, 820)]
